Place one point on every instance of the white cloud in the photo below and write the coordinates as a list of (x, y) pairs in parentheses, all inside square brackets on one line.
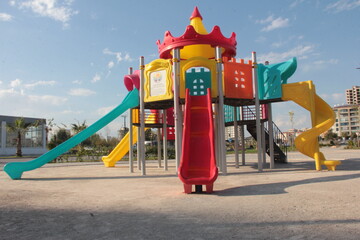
[(40, 83), (111, 64), (318, 65), (83, 92), (119, 56), (296, 3), (1, 82), (5, 17), (277, 44), (8, 92), (77, 82), (273, 23), (300, 120), (53, 100), (342, 5), (71, 112), (19, 83), (96, 78), (57, 10), (15, 83), (300, 52), (19, 97), (333, 98), (104, 110), (261, 39)]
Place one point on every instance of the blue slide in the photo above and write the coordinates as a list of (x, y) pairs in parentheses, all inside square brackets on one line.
[(16, 169)]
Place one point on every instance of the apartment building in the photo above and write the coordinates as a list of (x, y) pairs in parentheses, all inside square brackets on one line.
[(347, 119), (353, 95)]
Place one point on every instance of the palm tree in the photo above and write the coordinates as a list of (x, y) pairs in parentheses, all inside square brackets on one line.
[(20, 127), (76, 128)]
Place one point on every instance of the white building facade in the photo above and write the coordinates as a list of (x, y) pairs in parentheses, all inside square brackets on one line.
[(347, 119), (33, 140)]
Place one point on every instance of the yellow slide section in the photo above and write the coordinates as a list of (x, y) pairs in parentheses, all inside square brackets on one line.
[(322, 118), (120, 150)]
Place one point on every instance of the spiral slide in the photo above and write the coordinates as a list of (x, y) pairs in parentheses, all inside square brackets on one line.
[(322, 118), (16, 169), (198, 163)]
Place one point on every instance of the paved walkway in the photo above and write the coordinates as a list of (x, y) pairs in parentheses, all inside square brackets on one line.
[(88, 201)]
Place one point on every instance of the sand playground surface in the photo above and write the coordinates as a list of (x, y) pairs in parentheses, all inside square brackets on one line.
[(89, 201)]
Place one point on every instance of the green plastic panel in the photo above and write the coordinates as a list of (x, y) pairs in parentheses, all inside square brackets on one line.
[(271, 77), (229, 113), (198, 80)]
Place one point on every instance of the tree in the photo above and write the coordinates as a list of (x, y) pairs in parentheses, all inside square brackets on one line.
[(345, 135), (76, 128), (50, 124), (353, 136), (59, 137), (20, 127), (330, 135), (149, 135)]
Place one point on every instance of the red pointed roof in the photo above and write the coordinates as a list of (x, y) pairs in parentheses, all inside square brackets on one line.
[(191, 37), (196, 13)]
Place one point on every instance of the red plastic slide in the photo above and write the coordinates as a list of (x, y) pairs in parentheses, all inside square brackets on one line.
[(198, 163)]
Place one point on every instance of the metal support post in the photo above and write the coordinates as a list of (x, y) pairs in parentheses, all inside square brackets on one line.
[(216, 129), (242, 128), (165, 141), (263, 142), (138, 149), (177, 107), (271, 137), (221, 110), (159, 146), (257, 108), (131, 159), (242, 145), (142, 117), (236, 135)]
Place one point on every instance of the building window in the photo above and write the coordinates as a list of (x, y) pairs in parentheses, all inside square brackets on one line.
[(31, 138)]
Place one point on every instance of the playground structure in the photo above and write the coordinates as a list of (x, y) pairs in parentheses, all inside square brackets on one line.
[(198, 87)]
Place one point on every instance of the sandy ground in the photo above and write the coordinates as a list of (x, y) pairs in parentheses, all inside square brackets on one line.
[(89, 201)]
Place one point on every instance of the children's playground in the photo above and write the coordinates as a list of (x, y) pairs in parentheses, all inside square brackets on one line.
[(190, 94)]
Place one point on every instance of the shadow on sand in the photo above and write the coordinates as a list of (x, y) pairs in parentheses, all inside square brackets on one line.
[(279, 188)]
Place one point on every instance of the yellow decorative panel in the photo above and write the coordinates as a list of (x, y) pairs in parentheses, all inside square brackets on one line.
[(158, 80)]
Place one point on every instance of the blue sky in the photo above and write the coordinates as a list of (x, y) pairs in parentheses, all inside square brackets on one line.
[(65, 59)]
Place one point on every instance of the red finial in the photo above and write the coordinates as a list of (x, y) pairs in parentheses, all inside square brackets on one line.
[(196, 13)]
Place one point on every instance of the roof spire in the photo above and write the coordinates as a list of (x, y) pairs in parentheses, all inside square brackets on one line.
[(196, 22), (196, 13)]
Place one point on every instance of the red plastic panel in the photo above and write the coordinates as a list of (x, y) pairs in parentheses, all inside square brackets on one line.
[(238, 79)]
